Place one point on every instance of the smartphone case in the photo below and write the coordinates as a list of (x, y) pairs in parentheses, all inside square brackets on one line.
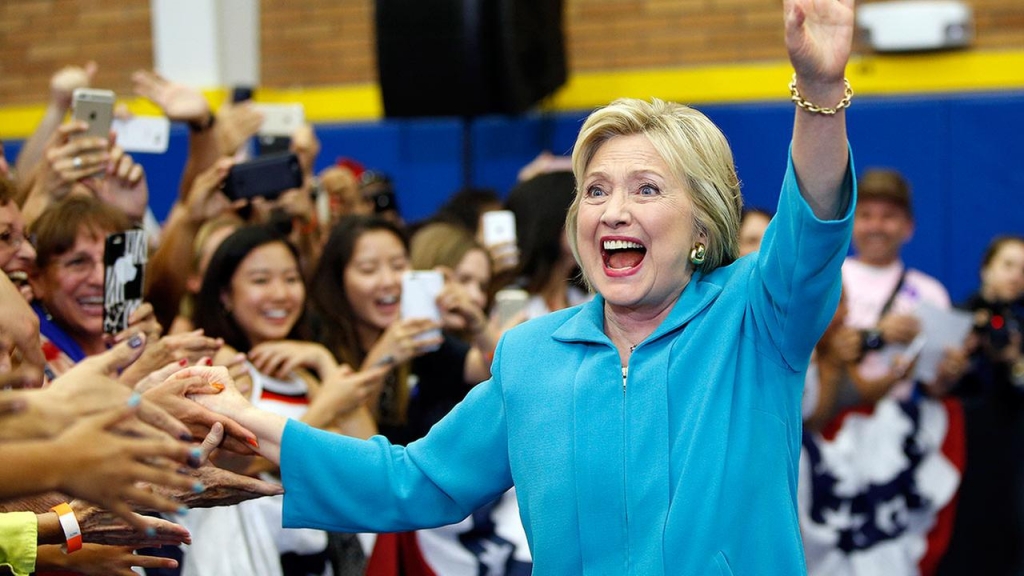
[(95, 108), (420, 289), (499, 227), (266, 176), (124, 262), (149, 134)]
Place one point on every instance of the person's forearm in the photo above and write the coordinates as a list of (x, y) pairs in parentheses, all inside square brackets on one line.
[(203, 151), (268, 428), (32, 151), (820, 152), (30, 467)]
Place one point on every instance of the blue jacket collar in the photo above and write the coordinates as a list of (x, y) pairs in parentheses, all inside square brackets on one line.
[(587, 325)]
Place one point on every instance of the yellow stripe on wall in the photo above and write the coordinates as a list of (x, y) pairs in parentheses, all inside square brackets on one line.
[(870, 75)]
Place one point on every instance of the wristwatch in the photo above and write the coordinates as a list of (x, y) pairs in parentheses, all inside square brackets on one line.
[(871, 339)]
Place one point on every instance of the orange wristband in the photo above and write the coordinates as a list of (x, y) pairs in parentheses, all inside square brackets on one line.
[(72, 531)]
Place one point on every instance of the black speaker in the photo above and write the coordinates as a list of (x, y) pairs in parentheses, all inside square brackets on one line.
[(468, 57)]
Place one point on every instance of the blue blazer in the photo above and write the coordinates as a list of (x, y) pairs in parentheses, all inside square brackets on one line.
[(690, 467)]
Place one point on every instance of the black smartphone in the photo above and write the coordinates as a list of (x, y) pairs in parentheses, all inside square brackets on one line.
[(241, 94), (124, 262), (266, 176)]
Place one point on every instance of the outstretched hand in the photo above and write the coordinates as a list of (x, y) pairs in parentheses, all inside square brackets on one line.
[(819, 36), (179, 102)]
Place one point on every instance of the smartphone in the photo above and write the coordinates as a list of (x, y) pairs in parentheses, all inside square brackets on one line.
[(124, 261), (241, 94), (499, 227), (280, 121), (420, 289), (143, 133), (266, 176), (95, 108), (508, 302)]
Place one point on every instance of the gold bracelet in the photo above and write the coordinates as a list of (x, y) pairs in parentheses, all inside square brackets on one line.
[(815, 109)]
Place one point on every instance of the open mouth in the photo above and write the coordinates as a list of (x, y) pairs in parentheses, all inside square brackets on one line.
[(620, 255), (19, 278)]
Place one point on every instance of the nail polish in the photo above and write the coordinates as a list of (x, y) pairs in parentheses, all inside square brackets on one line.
[(183, 511), (183, 362), (134, 400), (135, 341), (198, 488), (217, 386), (253, 442), (150, 531), (208, 361)]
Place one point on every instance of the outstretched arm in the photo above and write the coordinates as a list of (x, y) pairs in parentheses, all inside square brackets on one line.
[(819, 34)]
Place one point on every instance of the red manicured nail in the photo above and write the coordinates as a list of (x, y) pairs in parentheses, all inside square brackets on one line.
[(208, 361), (217, 386), (253, 442), (183, 362)]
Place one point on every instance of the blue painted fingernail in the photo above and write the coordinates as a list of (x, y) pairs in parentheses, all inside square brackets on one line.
[(196, 454), (183, 510), (150, 531), (135, 341), (134, 400), (185, 436), (198, 488)]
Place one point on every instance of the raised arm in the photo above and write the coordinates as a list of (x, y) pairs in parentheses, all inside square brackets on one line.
[(819, 34)]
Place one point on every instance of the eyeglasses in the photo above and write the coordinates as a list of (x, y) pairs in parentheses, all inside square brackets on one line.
[(14, 239)]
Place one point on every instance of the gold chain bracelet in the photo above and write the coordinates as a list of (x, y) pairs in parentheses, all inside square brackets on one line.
[(814, 108)]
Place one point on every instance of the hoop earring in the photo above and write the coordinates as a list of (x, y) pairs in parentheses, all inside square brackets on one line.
[(698, 254)]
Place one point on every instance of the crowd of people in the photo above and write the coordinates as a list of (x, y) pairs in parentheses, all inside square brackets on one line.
[(689, 387)]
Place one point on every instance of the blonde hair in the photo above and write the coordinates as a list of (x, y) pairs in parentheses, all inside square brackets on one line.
[(441, 244), (695, 150)]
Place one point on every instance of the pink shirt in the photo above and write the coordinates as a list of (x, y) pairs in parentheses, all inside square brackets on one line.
[(866, 289)]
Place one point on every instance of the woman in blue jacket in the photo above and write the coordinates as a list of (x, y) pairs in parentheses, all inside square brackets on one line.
[(655, 429)]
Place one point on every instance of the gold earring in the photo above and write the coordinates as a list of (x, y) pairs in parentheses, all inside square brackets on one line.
[(699, 252)]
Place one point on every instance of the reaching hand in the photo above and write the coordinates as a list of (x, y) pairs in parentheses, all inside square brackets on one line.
[(103, 467), (281, 358), (403, 340), (124, 185), (64, 81), (175, 395), (205, 199), (819, 36), (68, 159), (179, 102), (236, 123), (99, 526)]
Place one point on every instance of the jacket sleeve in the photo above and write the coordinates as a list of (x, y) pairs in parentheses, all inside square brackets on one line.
[(19, 534), (796, 283), (338, 483)]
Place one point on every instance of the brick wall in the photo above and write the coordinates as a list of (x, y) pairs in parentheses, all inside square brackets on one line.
[(324, 42), (38, 37)]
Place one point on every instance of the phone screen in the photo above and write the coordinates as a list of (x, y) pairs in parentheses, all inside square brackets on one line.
[(124, 261)]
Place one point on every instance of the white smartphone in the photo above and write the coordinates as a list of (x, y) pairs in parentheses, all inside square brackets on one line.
[(280, 119), (94, 107), (508, 302), (143, 133), (499, 227), (420, 289)]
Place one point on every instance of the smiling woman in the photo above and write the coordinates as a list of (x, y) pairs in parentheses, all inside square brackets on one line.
[(655, 429), (68, 280)]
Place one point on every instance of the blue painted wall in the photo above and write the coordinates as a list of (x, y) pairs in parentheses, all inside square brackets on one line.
[(963, 154)]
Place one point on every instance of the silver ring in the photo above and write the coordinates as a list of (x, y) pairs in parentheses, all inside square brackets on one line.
[(76, 162)]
